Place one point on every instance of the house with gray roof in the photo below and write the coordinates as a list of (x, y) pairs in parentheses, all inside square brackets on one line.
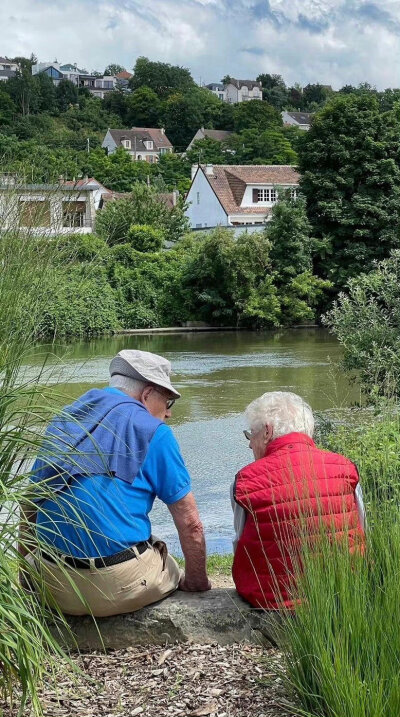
[(219, 135), (141, 143), (302, 120), (237, 195)]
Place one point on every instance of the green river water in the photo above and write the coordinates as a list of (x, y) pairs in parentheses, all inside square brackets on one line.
[(218, 374)]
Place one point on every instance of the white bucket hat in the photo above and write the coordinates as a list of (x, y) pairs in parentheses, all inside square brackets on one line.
[(143, 366)]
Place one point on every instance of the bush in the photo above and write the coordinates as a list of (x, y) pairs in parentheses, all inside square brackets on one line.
[(366, 321), (145, 238), (80, 303)]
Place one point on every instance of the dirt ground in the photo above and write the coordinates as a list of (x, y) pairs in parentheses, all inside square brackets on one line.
[(182, 680)]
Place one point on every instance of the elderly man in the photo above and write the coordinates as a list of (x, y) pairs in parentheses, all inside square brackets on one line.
[(291, 487), (103, 462)]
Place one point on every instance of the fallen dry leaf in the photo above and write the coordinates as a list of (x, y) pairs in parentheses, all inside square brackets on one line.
[(204, 710), (164, 657)]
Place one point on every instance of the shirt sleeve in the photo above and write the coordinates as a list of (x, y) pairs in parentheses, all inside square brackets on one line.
[(165, 468)]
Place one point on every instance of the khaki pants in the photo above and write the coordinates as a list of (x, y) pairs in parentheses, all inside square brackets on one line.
[(114, 590)]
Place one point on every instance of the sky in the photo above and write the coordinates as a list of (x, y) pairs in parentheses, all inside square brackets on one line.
[(334, 42)]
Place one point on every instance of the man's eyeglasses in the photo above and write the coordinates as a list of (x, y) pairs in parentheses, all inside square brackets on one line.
[(247, 435), (169, 402)]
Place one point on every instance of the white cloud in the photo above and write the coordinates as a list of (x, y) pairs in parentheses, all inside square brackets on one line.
[(331, 41)]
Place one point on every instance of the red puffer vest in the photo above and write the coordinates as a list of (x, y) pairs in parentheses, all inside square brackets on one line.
[(293, 486)]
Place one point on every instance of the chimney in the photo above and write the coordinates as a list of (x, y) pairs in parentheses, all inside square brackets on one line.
[(193, 171), (209, 170), (175, 195), (162, 130)]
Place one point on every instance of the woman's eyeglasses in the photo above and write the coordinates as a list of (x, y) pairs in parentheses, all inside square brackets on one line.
[(247, 435)]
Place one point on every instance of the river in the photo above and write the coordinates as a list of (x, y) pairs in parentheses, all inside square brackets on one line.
[(218, 374)]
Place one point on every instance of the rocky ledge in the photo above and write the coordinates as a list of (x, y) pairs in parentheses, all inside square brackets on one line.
[(218, 616)]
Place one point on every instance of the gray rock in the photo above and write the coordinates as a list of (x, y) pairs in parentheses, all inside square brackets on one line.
[(218, 616)]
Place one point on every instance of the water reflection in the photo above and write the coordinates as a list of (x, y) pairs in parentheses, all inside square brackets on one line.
[(218, 375)]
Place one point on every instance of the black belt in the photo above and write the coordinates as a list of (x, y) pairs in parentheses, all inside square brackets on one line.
[(85, 563)]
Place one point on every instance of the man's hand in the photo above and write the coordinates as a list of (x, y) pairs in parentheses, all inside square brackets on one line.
[(191, 535), (194, 587)]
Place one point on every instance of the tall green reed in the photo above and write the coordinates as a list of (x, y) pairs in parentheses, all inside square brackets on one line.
[(342, 645), (27, 644)]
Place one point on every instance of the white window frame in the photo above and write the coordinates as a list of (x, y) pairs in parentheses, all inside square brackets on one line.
[(269, 195), (127, 143)]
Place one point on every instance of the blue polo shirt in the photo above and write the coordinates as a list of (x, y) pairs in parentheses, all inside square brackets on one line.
[(98, 515)]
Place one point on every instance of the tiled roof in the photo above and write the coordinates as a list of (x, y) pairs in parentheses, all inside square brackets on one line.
[(218, 134), (138, 135), (124, 75), (301, 117), (229, 183)]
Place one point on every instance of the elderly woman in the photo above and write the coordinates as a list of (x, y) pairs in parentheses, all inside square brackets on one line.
[(290, 485)]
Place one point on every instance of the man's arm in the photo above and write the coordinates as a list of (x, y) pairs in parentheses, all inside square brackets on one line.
[(191, 535), (28, 516)]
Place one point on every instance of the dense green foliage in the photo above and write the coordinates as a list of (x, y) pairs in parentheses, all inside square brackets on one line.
[(366, 321), (349, 163)]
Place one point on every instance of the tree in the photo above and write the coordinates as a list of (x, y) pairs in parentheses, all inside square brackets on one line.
[(143, 108), (46, 91), (256, 114), (23, 90), (268, 147), (228, 280), (7, 108), (316, 95), (116, 103), (143, 206), (289, 234), (164, 79), (175, 171), (183, 114), (114, 69), (208, 151), (366, 320), (274, 90), (66, 95), (351, 180)]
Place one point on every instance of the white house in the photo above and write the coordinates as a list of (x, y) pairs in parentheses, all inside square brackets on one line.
[(68, 207), (141, 143), (8, 69), (218, 90), (219, 135), (302, 120), (236, 195), (242, 91)]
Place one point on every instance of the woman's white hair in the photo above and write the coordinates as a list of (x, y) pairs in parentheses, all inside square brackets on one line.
[(132, 386), (285, 411)]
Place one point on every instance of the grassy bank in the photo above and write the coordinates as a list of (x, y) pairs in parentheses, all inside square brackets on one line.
[(216, 564)]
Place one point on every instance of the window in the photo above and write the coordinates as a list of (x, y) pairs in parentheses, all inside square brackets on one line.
[(266, 195), (74, 214), (148, 144), (293, 193), (126, 143), (221, 96), (35, 213), (198, 197), (164, 150), (139, 156)]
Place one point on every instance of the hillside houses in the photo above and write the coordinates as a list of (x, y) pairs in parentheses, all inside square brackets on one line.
[(236, 195), (141, 143), (234, 91)]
